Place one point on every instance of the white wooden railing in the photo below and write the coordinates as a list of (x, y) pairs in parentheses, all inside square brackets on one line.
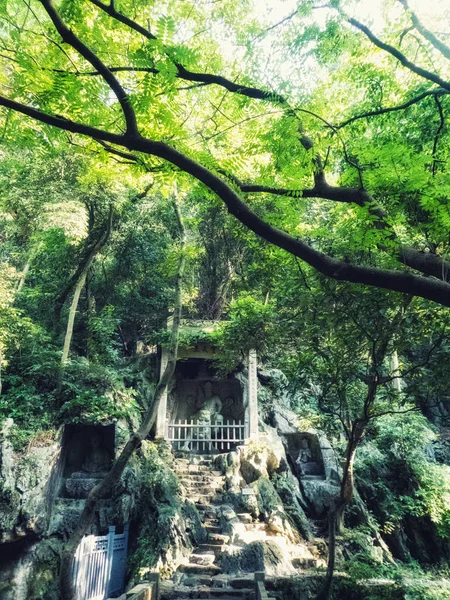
[(198, 436), (99, 565)]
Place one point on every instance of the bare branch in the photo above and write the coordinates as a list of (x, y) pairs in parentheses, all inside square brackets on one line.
[(400, 56), (426, 33), (381, 111)]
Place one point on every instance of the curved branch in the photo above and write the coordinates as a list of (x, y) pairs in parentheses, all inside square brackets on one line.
[(201, 78), (70, 38), (399, 281), (183, 73), (399, 56), (426, 33), (115, 14), (381, 111), (427, 263)]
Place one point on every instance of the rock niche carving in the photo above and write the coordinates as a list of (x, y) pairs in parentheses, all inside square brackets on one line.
[(88, 459)]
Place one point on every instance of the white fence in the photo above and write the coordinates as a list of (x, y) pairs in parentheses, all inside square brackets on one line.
[(198, 436), (99, 566)]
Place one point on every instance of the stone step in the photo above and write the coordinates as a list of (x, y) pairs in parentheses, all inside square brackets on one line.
[(203, 559), (192, 477), (242, 582), (218, 537), (226, 593), (213, 528), (211, 486), (203, 491), (210, 518), (194, 569), (209, 547), (215, 486), (194, 581), (197, 469), (188, 469), (207, 510)]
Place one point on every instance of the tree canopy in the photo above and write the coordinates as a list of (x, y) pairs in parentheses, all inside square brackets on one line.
[(323, 132)]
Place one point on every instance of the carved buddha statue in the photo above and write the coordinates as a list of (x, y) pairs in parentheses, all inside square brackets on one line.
[(305, 460), (95, 466), (97, 460)]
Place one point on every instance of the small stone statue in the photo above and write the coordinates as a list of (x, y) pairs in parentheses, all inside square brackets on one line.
[(304, 455), (208, 414), (213, 403), (94, 468), (97, 460)]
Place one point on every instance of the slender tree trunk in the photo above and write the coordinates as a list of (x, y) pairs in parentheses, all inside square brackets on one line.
[(79, 284), (71, 320), (23, 276), (85, 263), (395, 371), (26, 267), (90, 303), (337, 508), (103, 488)]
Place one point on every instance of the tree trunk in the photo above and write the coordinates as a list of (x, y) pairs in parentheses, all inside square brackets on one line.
[(71, 319), (337, 508), (77, 291), (23, 276), (90, 304), (103, 488), (85, 263)]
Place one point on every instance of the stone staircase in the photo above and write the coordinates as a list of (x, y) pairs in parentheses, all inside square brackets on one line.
[(201, 577)]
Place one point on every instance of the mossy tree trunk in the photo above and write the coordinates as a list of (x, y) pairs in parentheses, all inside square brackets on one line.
[(78, 286)]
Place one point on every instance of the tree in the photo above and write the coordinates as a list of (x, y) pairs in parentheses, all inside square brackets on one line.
[(339, 353), (104, 487)]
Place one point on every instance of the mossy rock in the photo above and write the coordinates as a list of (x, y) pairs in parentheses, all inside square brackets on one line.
[(256, 556)]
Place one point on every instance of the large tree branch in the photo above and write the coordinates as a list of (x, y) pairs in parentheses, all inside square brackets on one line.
[(70, 38), (427, 263), (426, 33), (400, 56), (194, 76), (432, 289), (115, 14)]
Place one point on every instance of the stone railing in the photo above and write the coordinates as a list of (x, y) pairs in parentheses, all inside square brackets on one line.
[(148, 590), (260, 588)]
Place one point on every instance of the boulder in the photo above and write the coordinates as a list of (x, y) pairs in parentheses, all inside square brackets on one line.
[(267, 556)]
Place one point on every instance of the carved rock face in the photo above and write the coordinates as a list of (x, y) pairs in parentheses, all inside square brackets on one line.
[(77, 487)]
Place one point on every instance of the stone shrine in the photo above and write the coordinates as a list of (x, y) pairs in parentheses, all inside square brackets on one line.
[(202, 406)]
